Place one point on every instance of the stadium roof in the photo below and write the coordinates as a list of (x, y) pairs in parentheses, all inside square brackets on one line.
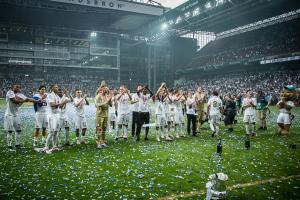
[(216, 15), (119, 16)]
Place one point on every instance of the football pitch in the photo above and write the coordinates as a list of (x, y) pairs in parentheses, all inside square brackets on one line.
[(152, 170)]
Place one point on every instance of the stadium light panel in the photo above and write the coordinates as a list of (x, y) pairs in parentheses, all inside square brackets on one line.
[(178, 20), (187, 14), (208, 5), (164, 26), (196, 11), (219, 2), (93, 34), (171, 22)]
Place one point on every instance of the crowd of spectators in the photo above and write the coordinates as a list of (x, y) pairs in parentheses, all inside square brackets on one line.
[(30, 83), (270, 83), (270, 41)]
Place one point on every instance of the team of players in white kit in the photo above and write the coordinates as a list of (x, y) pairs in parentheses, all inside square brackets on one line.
[(51, 115)]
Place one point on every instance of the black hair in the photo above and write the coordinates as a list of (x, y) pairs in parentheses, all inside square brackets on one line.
[(215, 93), (42, 86)]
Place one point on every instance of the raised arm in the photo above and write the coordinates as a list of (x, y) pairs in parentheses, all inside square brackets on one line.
[(163, 84), (128, 93)]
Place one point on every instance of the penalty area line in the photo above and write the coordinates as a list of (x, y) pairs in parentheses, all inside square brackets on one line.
[(237, 186)]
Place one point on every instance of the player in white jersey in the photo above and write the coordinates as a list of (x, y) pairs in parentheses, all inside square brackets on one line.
[(144, 111), (80, 121), (63, 119), (41, 121), (135, 111), (12, 123), (54, 103), (178, 120), (191, 113), (214, 107), (112, 117), (170, 110), (160, 99), (124, 98), (249, 107)]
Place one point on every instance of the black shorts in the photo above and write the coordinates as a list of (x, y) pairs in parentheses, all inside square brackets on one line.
[(229, 119)]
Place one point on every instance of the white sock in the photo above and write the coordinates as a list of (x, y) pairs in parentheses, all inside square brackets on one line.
[(67, 135), (252, 128), (163, 132), (9, 138), (54, 139), (182, 128), (117, 132), (247, 129), (217, 129), (18, 137), (124, 132), (49, 137), (212, 127), (176, 130), (58, 140)]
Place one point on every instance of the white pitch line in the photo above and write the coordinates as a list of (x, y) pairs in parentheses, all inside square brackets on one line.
[(237, 186)]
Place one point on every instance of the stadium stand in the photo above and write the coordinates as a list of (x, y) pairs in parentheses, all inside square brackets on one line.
[(275, 40)]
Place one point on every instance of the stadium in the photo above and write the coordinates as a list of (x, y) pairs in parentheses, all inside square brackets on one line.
[(149, 67)]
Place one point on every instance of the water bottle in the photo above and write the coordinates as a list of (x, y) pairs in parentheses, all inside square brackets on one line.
[(247, 143), (219, 147)]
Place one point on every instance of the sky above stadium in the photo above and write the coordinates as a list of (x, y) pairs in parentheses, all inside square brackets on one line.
[(171, 3)]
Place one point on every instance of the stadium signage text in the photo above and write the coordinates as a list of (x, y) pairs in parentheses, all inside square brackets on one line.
[(117, 5)]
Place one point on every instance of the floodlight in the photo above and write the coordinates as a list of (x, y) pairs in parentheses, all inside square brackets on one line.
[(219, 2), (93, 34), (196, 11), (178, 20), (164, 26), (187, 14), (208, 5)]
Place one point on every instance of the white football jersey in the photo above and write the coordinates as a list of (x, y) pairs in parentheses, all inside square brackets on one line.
[(144, 103), (249, 110), (40, 107), (112, 108), (64, 108), (123, 104), (79, 110), (190, 106), (11, 107), (159, 106), (215, 104), (135, 106), (53, 98)]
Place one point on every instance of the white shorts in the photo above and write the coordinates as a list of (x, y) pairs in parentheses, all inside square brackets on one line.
[(53, 122), (112, 117), (160, 120), (123, 119), (179, 118), (12, 123), (41, 120), (80, 122), (214, 119), (249, 119), (64, 122), (169, 117), (284, 118)]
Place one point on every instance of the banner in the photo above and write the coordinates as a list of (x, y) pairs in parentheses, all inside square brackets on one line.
[(117, 5), (278, 60)]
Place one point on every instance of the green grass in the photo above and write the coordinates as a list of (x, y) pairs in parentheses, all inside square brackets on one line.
[(149, 170)]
